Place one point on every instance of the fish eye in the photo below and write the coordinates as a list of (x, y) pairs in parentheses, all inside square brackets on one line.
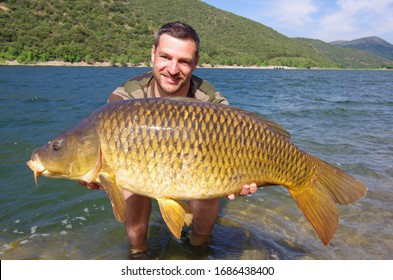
[(56, 145)]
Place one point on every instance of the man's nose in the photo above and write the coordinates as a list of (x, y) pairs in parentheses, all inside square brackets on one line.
[(173, 67)]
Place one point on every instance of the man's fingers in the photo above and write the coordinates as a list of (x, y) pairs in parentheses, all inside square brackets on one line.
[(253, 188), (90, 186), (245, 190), (83, 183)]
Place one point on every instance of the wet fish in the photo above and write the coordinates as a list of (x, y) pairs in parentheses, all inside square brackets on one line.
[(176, 149)]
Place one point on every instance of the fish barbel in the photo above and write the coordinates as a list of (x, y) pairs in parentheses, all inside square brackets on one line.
[(175, 149)]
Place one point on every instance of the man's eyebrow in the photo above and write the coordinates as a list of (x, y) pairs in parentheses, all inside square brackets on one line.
[(181, 59), (187, 60), (163, 53)]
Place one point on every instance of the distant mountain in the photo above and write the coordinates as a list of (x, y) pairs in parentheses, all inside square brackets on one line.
[(346, 57), (374, 45)]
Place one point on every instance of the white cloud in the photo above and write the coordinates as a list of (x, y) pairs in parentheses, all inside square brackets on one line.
[(287, 12), (327, 20), (356, 6), (357, 18)]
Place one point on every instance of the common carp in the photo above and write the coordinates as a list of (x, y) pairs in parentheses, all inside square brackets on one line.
[(176, 149)]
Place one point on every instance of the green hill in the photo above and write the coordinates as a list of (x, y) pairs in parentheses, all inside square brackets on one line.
[(123, 32)]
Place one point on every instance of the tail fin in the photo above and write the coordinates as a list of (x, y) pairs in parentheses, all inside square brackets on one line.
[(318, 200)]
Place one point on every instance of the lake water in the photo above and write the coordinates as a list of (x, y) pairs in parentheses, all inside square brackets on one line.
[(343, 117)]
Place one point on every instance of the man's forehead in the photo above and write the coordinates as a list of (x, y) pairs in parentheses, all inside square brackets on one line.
[(166, 39)]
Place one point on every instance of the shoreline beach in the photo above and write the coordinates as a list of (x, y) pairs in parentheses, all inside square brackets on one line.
[(108, 64)]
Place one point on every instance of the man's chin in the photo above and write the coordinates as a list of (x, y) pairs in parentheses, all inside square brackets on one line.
[(171, 89)]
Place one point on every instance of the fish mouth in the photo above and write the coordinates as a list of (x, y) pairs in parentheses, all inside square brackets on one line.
[(37, 168)]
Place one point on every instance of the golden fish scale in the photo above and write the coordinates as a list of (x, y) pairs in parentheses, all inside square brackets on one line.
[(190, 150)]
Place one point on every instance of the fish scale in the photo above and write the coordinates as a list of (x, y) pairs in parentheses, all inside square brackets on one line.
[(215, 151), (176, 149)]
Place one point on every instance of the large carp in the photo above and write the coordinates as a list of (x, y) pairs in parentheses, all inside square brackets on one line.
[(175, 149)]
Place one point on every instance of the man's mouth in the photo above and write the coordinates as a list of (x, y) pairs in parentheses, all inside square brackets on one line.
[(172, 79)]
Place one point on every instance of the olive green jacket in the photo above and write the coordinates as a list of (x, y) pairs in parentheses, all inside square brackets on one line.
[(142, 87)]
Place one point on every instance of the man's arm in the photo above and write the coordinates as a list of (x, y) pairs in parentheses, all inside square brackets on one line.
[(113, 97)]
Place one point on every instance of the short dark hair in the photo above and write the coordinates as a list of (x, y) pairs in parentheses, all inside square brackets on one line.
[(179, 30)]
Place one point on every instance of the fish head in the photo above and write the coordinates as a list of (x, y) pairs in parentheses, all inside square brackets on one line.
[(75, 155)]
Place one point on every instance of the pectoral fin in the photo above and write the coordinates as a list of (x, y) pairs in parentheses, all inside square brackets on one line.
[(115, 195), (175, 213)]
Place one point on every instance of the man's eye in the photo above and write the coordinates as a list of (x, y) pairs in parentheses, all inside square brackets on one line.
[(187, 63)]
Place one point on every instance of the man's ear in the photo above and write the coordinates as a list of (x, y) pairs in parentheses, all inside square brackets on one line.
[(153, 51), (196, 62)]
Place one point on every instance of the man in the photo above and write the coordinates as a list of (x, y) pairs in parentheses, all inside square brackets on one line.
[(174, 57)]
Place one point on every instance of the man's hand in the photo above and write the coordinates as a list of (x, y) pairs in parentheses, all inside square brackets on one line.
[(91, 186), (247, 189)]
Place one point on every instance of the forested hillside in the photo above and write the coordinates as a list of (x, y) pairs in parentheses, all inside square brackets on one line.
[(123, 32)]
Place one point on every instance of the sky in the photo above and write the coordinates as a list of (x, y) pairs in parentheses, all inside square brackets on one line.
[(327, 20)]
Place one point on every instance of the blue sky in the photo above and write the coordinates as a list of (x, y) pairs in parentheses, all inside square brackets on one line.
[(327, 20)]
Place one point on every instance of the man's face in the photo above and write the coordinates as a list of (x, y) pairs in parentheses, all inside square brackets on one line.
[(173, 63)]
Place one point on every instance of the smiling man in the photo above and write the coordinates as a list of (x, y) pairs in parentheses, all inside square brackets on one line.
[(174, 57), (173, 63)]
